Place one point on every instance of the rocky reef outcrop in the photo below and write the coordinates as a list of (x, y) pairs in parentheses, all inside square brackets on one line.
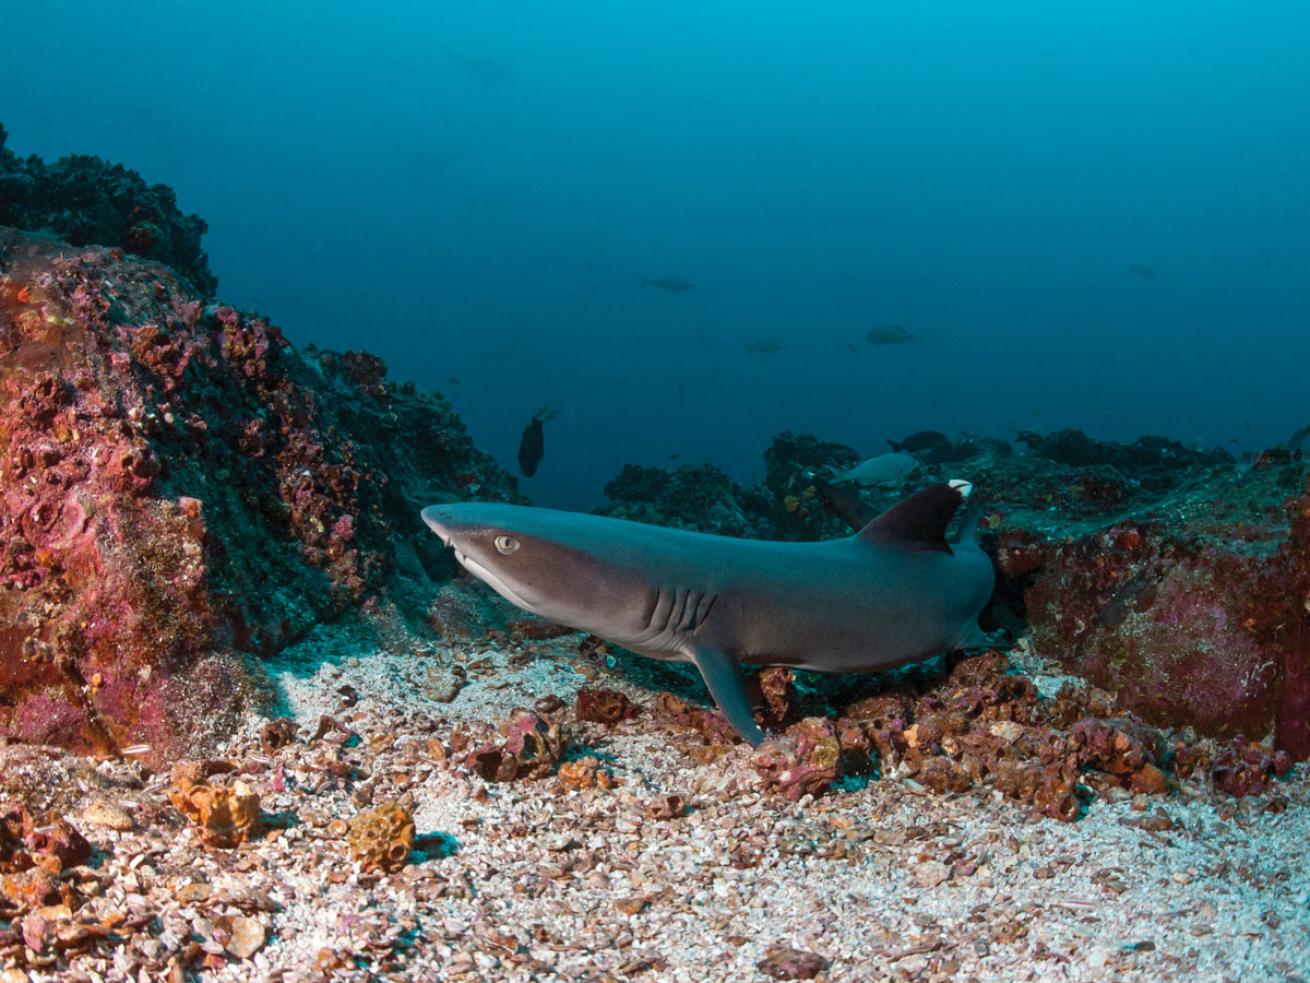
[(1176, 578), (83, 200), (700, 497), (181, 489)]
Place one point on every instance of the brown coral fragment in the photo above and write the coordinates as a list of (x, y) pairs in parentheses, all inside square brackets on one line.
[(222, 817), (277, 734), (604, 706), (943, 775), (586, 773), (1245, 769), (382, 838), (665, 807), (783, 962), (53, 836), (709, 724), (30, 889), (778, 688)]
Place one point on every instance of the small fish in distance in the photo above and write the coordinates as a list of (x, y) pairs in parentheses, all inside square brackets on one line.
[(532, 445), (889, 334), (672, 283)]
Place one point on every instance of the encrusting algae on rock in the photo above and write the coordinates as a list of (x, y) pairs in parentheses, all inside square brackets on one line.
[(147, 439)]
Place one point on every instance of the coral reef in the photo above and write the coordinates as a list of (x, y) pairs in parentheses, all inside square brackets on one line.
[(181, 489), (699, 497), (979, 724), (1156, 462), (88, 201), (1191, 608)]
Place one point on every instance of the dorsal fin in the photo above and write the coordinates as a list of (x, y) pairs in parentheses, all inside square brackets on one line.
[(919, 522)]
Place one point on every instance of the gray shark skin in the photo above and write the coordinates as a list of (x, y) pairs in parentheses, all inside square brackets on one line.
[(893, 593)]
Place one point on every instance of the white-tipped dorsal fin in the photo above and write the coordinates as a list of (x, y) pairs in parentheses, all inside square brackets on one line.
[(918, 522)]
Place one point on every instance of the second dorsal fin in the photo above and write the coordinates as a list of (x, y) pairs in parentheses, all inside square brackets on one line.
[(919, 522)]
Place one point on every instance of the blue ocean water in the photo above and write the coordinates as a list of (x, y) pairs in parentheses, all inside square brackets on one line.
[(1088, 216)]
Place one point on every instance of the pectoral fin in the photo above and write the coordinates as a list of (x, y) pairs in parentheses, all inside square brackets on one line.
[(723, 677)]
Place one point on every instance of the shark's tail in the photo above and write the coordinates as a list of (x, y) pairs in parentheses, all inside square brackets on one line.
[(645, 282)]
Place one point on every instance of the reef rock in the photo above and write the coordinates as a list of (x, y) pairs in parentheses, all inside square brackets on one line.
[(180, 490), (84, 200), (1192, 605), (699, 497)]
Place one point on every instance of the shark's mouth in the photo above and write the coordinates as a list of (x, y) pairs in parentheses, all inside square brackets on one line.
[(491, 580)]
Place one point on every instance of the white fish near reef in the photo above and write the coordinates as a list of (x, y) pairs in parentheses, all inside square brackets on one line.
[(885, 469)]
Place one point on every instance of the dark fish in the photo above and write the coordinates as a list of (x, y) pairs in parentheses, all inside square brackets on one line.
[(676, 284), (532, 445), (1145, 272), (923, 440), (889, 334), (764, 346)]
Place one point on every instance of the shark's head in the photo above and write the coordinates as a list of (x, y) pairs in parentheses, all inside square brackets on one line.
[(542, 560)]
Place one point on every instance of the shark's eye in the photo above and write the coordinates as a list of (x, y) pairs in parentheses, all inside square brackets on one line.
[(506, 545)]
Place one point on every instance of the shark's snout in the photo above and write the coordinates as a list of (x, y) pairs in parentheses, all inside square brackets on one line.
[(438, 521)]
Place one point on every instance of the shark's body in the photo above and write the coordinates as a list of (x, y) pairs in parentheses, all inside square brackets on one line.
[(891, 594)]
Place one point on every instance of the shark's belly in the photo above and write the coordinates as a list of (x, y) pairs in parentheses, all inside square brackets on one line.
[(853, 627)]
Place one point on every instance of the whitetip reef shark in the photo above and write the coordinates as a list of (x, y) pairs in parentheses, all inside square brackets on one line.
[(895, 592)]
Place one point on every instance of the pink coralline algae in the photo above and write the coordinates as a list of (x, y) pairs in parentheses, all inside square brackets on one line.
[(1194, 609), (179, 488), (529, 746), (803, 761)]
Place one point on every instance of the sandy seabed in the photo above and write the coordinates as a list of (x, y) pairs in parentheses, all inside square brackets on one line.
[(531, 880)]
